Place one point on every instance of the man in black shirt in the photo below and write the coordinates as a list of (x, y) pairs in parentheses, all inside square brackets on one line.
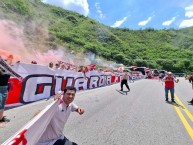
[(4, 78)]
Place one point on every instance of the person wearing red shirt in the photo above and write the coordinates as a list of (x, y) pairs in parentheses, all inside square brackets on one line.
[(169, 85)]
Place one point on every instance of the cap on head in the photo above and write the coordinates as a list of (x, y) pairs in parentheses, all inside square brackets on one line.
[(169, 73)]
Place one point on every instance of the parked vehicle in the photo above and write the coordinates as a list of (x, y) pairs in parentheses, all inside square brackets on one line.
[(180, 74), (142, 70), (155, 72), (162, 72)]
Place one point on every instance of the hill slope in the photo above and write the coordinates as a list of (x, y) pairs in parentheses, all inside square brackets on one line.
[(164, 49)]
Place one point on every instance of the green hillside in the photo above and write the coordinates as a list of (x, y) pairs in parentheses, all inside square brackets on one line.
[(163, 49)]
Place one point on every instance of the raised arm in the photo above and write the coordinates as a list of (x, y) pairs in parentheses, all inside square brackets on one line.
[(176, 80), (80, 110)]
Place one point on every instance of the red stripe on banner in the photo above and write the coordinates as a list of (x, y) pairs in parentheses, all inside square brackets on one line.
[(119, 79), (63, 84), (40, 89), (112, 79), (14, 92)]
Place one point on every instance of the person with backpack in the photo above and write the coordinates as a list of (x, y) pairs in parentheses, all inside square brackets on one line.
[(169, 85)]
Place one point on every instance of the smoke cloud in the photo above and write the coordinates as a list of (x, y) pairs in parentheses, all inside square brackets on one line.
[(27, 42)]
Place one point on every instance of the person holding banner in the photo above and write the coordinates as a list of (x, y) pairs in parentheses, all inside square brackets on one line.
[(4, 78), (53, 134)]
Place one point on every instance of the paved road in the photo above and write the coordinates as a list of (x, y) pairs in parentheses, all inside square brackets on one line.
[(142, 117)]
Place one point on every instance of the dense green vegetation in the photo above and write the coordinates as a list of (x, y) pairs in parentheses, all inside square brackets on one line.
[(163, 49)]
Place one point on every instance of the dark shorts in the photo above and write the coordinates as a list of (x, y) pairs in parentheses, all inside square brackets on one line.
[(64, 141), (3, 96)]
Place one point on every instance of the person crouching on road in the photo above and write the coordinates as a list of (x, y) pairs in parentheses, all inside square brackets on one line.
[(53, 134), (169, 85), (124, 81)]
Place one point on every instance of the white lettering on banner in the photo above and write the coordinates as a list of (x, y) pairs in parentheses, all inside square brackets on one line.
[(93, 82), (40, 86), (108, 80), (102, 80), (58, 83), (116, 78), (70, 81), (47, 81), (31, 88), (36, 87), (81, 83)]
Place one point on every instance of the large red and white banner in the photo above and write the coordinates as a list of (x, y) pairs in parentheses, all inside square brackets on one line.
[(40, 82), (32, 131)]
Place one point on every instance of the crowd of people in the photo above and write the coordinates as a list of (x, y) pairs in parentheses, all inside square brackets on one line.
[(67, 66)]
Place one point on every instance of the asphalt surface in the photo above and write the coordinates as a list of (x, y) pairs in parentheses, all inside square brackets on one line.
[(142, 117)]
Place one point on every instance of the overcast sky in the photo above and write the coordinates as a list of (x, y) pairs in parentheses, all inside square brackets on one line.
[(133, 14)]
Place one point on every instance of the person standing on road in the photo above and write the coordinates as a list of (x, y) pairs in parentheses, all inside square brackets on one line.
[(53, 135), (4, 78), (190, 78), (161, 76), (124, 81), (169, 86)]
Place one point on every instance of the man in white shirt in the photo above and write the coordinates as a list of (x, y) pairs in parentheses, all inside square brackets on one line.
[(53, 135)]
